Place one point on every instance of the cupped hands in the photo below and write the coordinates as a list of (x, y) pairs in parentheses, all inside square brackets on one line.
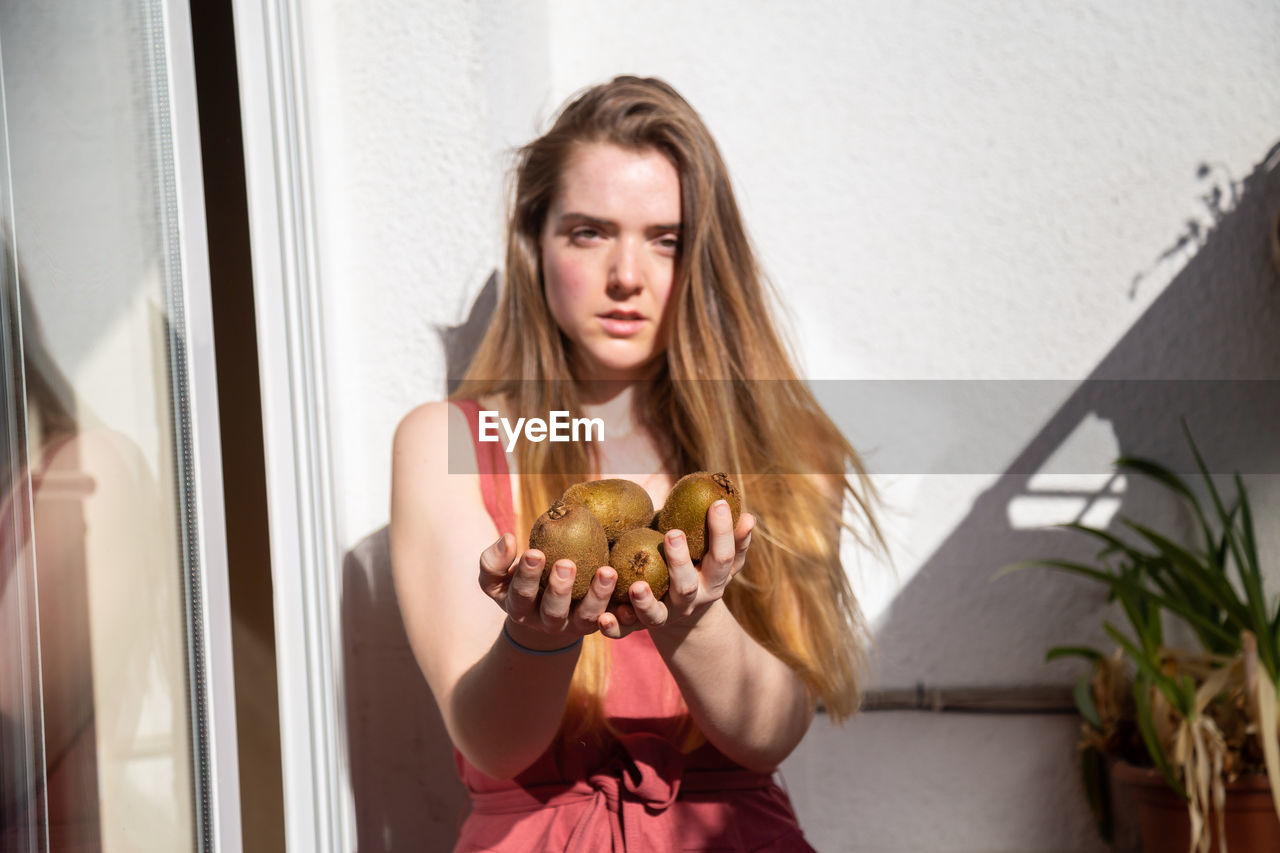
[(548, 619), (693, 586)]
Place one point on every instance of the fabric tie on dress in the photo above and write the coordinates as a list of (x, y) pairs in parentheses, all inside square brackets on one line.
[(622, 799), (644, 778)]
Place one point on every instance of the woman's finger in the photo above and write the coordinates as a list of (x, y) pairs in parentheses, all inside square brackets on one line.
[(649, 610), (742, 535), (609, 626), (619, 621), (522, 595), (616, 628), (495, 566), (720, 541), (594, 603), (556, 599), (717, 564), (684, 580)]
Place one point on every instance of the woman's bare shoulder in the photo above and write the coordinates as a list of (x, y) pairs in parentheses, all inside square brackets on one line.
[(434, 438), (435, 491), (426, 420)]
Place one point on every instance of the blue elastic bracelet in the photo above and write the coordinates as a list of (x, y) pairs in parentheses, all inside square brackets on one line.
[(540, 652)]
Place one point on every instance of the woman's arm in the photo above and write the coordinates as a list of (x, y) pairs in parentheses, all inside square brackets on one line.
[(750, 704), (502, 706)]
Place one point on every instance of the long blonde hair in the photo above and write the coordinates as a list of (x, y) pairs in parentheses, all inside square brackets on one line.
[(725, 397)]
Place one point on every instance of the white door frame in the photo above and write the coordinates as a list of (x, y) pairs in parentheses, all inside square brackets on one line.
[(305, 556)]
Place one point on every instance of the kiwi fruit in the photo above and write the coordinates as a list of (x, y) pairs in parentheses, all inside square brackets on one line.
[(619, 505), (570, 532), (687, 504), (638, 556)]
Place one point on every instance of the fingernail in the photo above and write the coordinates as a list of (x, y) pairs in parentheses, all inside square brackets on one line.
[(530, 560), (676, 537), (564, 572), (721, 507), (498, 544)]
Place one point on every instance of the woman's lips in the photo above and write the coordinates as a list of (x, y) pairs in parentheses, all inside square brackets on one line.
[(622, 324)]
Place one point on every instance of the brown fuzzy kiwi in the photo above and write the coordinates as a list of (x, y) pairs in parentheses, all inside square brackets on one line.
[(687, 504), (638, 555), (570, 532), (619, 505)]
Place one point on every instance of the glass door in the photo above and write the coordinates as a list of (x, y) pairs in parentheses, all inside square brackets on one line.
[(116, 728)]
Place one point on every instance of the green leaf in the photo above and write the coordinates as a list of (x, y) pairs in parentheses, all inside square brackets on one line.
[(1223, 516), (1157, 568), (1073, 651), (1093, 772), (1156, 471), (1251, 573), (1176, 587), (1162, 474), (1246, 521), (1082, 693), (1065, 565), (1146, 725), (1150, 668), (1114, 542), (1187, 687), (1209, 580), (1220, 553), (1118, 582), (1147, 635)]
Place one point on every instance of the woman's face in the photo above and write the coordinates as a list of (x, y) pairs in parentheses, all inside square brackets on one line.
[(609, 249)]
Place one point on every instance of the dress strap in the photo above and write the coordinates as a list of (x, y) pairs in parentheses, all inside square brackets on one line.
[(495, 478)]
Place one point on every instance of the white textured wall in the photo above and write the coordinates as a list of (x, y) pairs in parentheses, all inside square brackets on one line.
[(939, 190)]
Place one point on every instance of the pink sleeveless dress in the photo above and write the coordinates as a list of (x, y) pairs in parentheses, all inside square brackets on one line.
[(638, 792)]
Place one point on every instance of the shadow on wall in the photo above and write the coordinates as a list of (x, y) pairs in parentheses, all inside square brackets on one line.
[(461, 342), (1217, 321), (407, 794)]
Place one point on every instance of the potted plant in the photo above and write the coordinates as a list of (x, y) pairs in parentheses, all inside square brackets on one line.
[(1198, 725)]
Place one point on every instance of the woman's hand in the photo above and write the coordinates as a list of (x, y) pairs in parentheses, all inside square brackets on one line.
[(552, 620), (693, 588)]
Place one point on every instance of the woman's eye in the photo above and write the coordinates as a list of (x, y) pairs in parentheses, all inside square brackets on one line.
[(583, 235), (670, 243)]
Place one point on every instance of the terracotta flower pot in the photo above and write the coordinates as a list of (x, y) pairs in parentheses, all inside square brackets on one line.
[(1250, 819)]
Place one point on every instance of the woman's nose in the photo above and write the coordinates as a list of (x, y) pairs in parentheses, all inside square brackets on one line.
[(625, 272)]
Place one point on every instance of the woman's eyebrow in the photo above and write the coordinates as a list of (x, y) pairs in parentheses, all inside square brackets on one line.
[(606, 224), (585, 219), (654, 229)]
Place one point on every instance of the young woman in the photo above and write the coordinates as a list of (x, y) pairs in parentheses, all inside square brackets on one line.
[(630, 294)]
